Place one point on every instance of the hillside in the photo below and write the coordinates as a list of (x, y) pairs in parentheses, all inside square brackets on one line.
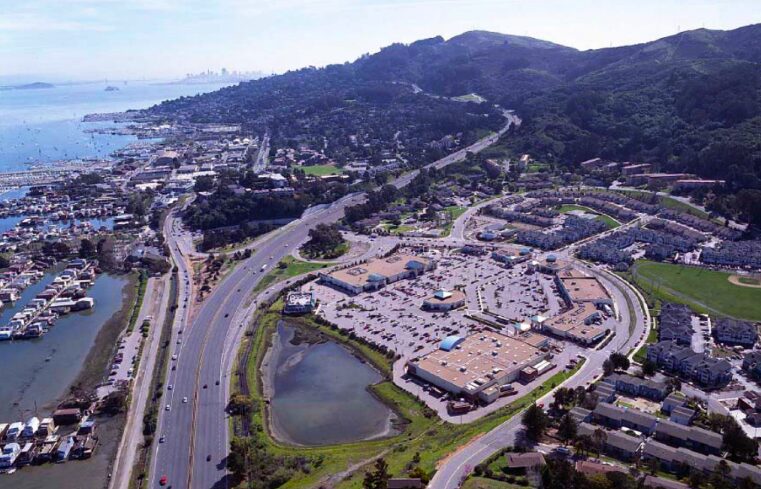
[(688, 102)]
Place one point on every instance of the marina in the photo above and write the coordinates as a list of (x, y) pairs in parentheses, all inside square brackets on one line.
[(65, 294)]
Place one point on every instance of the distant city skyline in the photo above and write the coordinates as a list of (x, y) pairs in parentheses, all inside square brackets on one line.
[(96, 39)]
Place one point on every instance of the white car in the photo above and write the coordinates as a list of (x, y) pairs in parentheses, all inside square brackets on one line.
[(169, 387), (168, 408), (174, 357), (184, 400)]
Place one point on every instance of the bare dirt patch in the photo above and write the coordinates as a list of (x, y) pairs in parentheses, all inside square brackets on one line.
[(745, 281)]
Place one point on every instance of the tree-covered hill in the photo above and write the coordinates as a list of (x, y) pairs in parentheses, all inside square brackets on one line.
[(688, 102)]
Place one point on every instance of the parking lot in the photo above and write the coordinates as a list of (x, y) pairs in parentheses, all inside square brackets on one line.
[(393, 316), (517, 295)]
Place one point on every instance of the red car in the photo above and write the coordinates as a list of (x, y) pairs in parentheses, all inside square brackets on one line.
[(163, 480)]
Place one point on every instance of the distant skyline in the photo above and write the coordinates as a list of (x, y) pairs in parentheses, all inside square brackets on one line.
[(96, 39)]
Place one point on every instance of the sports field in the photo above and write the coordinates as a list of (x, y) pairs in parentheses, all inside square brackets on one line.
[(321, 170), (703, 290)]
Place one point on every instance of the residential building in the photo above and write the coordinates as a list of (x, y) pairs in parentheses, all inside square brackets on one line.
[(635, 386), (735, 332), (702, 369), (621, 417), (692, 437), (675, 399), (682, 415)]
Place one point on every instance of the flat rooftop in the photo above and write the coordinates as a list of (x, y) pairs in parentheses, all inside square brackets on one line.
[(478, 358), (384, 267), (582, 287), (573, 322)]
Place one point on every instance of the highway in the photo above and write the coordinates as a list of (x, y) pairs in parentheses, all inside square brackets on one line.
[(196, 431)]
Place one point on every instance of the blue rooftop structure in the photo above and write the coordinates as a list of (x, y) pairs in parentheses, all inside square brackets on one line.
[(450, 342)]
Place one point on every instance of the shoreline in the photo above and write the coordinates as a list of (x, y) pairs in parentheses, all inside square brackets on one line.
[(94, 366), (267, 370), (94, 472)]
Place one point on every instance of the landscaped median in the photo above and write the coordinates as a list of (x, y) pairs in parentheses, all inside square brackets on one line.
[(286, 268), (425, 439)]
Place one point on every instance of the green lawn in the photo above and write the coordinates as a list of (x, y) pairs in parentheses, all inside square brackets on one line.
[(322, 170), (484, 483), (455, 211), (749, 281), (703, 290), (293, 268), (609, 221)]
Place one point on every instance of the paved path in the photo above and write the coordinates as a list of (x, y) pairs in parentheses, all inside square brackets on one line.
[(155, 304)]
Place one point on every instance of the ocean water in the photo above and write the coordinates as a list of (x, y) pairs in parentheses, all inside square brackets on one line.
[(45, 125)]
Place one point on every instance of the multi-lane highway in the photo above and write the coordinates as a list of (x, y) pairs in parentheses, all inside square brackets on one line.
[(194, 423)]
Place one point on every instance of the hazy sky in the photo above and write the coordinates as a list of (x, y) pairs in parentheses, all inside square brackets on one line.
[(168, 38)]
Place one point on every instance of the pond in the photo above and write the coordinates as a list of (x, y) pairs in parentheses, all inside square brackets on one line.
[(319, 393)]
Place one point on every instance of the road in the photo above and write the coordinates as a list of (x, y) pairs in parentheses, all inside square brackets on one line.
[(194, 453), (262, 156), (154, 304)]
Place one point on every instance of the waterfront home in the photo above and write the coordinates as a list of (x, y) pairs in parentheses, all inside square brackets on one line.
[(14, 431), (32, 425), (64, 449), (9, 455)]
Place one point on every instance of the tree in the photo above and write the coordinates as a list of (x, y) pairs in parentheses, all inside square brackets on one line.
[(87, 249), (534, 422), (580, 394), (325, 241), (607, 367), (115, 402), (720, 479), (106, 253), (648, 368), (5, 262), (741, 448), (674, 384), (378, 478), (619, 361), (599, 437), (240, 404), (567, 428), (58, 249), (562, 398), (204, 183)]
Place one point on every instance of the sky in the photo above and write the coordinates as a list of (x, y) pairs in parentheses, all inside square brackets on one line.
[(165, 39)]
